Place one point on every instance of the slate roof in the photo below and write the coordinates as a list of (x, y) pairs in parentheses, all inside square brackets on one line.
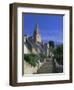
[(31, 44)]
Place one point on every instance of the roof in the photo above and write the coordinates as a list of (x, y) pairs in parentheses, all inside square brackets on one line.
[(31, 44)]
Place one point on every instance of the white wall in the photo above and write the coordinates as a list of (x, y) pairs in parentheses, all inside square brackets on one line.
[(4, 46)]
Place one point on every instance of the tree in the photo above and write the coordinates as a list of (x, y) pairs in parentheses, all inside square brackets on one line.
[(51, 44), (58, 54)]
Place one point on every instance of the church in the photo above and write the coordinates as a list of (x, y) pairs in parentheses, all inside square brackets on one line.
[(34, 44)]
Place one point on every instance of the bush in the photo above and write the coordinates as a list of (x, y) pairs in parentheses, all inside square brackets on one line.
[(42, 57), (31, 59), (34, 59)]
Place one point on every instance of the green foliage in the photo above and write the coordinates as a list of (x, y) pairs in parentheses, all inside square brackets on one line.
[(33, 59), (58, 54), (51, 43), (42, 57)]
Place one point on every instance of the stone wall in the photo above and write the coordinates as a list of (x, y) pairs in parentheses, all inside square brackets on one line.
[(29, 69)]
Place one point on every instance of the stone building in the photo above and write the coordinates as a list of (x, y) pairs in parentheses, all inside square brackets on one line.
[(34, 44)]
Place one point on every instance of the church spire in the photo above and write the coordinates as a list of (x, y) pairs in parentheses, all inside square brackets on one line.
[(37, 37), (36, 29)]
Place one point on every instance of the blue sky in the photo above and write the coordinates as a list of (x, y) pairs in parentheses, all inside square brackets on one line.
[(50, 26)]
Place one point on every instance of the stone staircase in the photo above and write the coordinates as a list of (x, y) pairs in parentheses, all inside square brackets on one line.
[(47, 67)]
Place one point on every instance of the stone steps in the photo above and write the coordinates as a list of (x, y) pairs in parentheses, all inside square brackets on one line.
[(47, 67)]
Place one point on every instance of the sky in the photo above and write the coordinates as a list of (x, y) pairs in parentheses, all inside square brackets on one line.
[(50, 26)]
